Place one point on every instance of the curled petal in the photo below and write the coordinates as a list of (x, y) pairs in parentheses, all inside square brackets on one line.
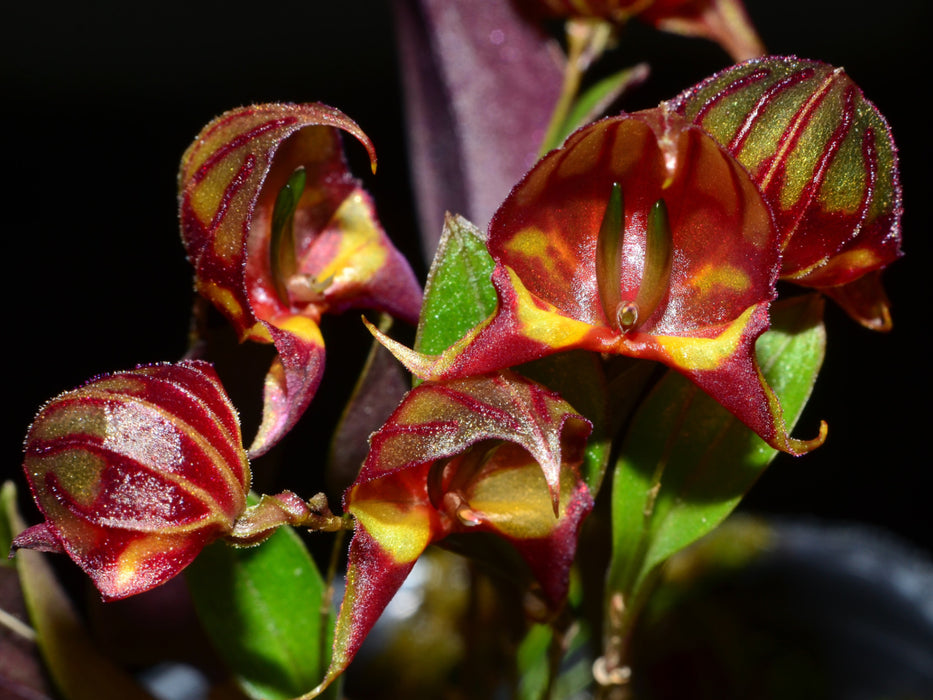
[(826, 164), (279, 233), (291, 381), (135, 472)]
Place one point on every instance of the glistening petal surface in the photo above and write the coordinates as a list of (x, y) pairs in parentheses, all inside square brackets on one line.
[(273, 279), (825, 161), (710, 302)]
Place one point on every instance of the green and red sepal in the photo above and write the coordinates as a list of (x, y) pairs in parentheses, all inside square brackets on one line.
[(642, 237), (135, 472), (496, 454), (279, 232), (825, 162)]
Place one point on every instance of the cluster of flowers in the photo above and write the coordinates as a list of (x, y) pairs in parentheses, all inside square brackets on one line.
[(658, 235)]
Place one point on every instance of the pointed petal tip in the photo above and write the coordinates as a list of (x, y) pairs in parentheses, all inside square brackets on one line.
[(798, 448), (41, 538), (422, 366)]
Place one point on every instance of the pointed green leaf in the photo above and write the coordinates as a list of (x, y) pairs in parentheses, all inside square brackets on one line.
[(686, 462), (78, 669), (264, 609), (458, 293)]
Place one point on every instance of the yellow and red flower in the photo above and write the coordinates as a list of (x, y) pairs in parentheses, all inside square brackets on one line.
[(496, 454), (642, 237), (279, 233), (135, 472)]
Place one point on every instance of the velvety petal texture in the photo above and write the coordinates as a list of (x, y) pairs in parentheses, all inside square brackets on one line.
[(642, 237), (722, 21), (279, 232), (495, 454), (135, 472), (825, 162), (480, 85)]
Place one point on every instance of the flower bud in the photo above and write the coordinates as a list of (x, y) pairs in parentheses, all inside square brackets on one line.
[(135, 472)]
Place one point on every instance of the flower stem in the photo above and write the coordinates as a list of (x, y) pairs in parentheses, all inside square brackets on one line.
[(586, 41)]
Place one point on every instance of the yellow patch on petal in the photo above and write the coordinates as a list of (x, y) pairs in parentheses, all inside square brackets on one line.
[(843, 187), (516, 501), (718, 276), (302, 327), (402, 531), (206, 198), (258, 332), (78, 472), (706, 354), (538, 247), (221, 297), (362, 252), (134, 557), (546, 325), (75, 419), (858, 259)]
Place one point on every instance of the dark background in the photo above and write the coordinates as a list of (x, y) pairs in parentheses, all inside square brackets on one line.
[(101, 98)]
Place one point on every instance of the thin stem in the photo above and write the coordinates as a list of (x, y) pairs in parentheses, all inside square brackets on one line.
[(327, 600), (14, 624), (629, 587), (586, 41)]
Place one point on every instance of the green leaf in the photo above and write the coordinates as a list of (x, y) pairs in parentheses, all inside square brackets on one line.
[(282, 243), (458, 293), (264, 608), (534, 666), (686, 462), (78, 669)]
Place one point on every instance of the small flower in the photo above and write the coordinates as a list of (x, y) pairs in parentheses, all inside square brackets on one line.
[(135, 472), (496, 454), (641, 237), (825, 162), (723, 21), (279, 233)]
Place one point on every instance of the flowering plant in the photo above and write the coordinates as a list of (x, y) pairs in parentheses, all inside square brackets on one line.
[(604, 358)]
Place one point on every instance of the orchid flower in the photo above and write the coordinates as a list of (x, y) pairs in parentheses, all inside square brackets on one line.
[(641, 237), (496, 454), (825, 162), (135, 473), (280, 233)]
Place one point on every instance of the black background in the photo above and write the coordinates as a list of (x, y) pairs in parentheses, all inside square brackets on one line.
[(101, 98)]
